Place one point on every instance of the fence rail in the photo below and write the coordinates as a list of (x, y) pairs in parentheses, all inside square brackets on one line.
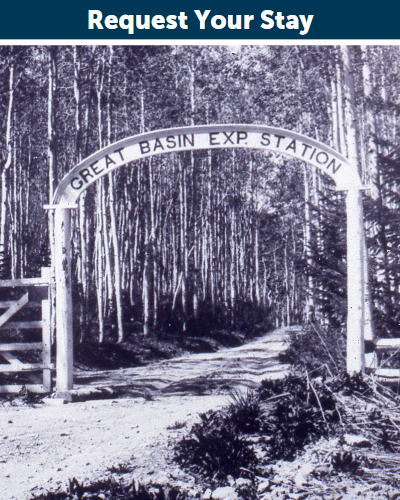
[(12, 364)]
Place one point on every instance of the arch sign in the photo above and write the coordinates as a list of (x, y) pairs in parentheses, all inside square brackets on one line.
[(277, 140), (205, 137)]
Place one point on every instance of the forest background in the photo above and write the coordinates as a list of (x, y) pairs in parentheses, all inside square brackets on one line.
[(188, 242)]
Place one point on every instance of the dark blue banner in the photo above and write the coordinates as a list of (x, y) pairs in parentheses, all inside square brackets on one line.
[(99, 20)]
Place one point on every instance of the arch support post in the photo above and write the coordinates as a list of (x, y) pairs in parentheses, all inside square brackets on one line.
[(64, 330), (356, 282)]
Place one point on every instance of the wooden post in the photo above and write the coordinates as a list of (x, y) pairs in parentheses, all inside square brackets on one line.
[(355, 282), (356, 248), (63, 300), (371, 360), (46, 333)]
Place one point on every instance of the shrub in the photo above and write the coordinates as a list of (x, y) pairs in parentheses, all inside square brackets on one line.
[(317, 350), (244, 412), (350, 384), (302, 411), (288, 413), (113, 490), (214, 447), (345, 461)]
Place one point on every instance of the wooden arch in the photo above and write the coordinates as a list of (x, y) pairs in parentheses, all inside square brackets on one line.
[(281, 141), (172, 140)]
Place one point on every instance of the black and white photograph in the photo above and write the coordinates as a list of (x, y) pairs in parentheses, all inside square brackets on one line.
[(199, 272)]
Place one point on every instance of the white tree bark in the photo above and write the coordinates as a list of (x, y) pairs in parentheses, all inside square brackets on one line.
[(6, 166), (355, 233)]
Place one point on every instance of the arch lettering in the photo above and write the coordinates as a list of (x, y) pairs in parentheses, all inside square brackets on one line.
[(140, 146)]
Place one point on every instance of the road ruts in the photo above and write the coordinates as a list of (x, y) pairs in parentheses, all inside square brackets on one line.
[(204, 373), (43, 447)]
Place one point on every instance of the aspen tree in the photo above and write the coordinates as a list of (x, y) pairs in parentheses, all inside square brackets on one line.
[(309, 305), (205, 211), (183, 212), (113, 217), (147, 271), (14, 215), (196, 271), (81, 215), (101, 243), (7, 163), (52, 140)]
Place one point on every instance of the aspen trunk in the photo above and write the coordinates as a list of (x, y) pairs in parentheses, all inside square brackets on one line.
[(116, 258), (183, 243), (81, 216), (334, 113), (148, 265), (101, 239), (113, 221), (371, 177), (51, 134), (196, 270), (309, 304), (340, 107), (99, 266), (6, 167)]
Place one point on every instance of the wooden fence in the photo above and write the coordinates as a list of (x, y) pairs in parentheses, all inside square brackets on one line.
[(35, 296), (390, 349)]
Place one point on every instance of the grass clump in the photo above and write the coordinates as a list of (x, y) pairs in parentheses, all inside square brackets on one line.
[(287, 414), (282, 416), (319, 351), (245, 412), (300, 411), (179, 424), (110, 489), (279, 420), (215, 447)]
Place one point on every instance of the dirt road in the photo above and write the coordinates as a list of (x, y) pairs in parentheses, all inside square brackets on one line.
[(41, 448)]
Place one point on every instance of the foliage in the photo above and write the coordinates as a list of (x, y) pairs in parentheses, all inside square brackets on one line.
[(214, 447), (113, 490), (179, 424), (245, 412), (350, 385), (213, 239), (124, 468), (345, 461), (317, 350), (302, 411), (288, 413), (284, 416)]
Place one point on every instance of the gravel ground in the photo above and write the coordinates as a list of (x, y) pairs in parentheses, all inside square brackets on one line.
[(42, 447)]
